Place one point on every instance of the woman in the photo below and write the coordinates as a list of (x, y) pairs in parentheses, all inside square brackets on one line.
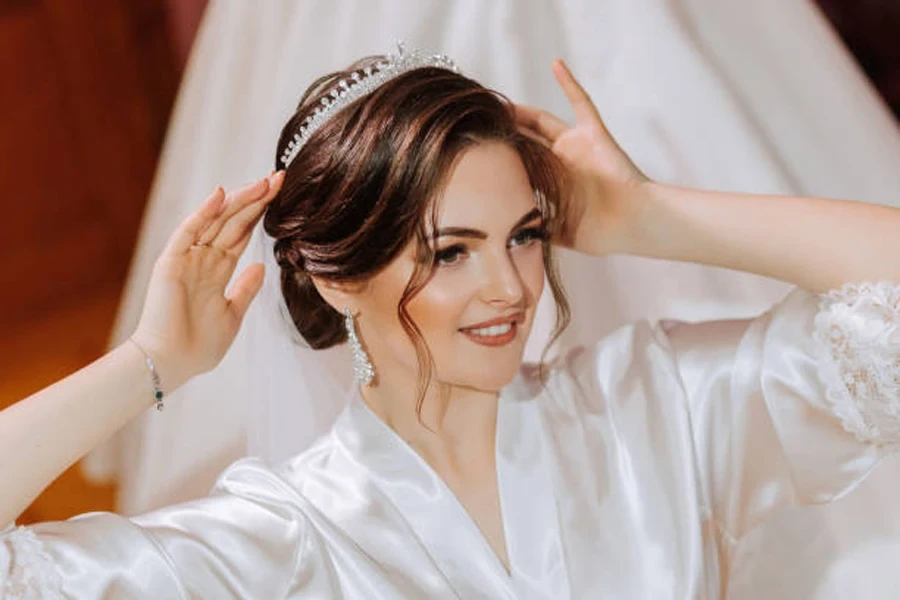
[(413, 222), (671, 78)]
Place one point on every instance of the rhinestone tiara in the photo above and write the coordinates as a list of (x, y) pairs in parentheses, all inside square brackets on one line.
[(360, 83)]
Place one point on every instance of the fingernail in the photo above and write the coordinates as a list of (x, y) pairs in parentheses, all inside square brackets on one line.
[(219, 195)]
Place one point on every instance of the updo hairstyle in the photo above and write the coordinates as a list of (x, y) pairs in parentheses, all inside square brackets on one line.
[(363, 187)]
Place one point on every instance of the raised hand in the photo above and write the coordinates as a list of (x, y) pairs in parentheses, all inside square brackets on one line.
[(189, 321), (606, 194)]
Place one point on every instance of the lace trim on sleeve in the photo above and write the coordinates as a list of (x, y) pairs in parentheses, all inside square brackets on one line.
[(858, 331), (26, 571)]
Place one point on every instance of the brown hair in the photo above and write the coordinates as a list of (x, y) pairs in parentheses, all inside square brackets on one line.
[(363, 187)]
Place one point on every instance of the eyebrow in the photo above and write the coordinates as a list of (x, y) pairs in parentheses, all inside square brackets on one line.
[(466, 232)]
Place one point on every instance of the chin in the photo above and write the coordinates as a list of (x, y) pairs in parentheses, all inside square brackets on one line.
[(485, 370), (492, 380)]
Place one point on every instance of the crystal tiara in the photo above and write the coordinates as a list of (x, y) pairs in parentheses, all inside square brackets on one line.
[(360, 83)]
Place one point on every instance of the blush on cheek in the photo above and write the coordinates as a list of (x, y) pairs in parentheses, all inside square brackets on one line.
[(439, 306)]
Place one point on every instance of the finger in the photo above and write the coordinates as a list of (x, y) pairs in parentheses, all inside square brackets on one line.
[(585, 111), (241, 245), (275, 182), (219, 269), (245, 289), (244, 198), (541, 122), (239, 224), (235, 202), (239, 227), (194, 226)]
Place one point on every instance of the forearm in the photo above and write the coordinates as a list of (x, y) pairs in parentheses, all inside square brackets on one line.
[(815, 243), (41, 436), (187, 325)]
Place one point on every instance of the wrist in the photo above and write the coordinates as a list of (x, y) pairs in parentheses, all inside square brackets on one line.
[(664, 229), (164, 370), (629, 228)]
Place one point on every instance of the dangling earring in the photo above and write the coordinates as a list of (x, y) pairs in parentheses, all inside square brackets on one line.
[(362, 367)]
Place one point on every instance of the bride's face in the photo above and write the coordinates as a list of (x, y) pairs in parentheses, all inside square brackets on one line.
[(476, 311)]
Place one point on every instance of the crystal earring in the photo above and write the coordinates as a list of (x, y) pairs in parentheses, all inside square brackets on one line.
[(362, 366)]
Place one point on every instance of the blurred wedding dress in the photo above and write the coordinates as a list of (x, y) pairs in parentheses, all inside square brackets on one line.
[(723, 94)]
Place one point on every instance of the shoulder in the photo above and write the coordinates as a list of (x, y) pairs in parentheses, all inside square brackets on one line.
[(321, 456), (251, 475), (253, 486), (311, 479), (616, 351)]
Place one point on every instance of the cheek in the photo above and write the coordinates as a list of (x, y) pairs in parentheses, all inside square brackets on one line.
[(530, 265), (440, 308), (379, 306), (441, 304), (437, 310)]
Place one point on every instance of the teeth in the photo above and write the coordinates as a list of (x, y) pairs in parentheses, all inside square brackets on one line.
[(493, 330)]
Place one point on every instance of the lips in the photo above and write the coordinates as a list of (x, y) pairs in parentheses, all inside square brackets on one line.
[(496, 332), (508, 319), (493, 330)]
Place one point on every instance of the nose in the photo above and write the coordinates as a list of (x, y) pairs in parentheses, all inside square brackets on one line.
[(503, 285)]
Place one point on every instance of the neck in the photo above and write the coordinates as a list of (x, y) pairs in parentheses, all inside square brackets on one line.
[(452, 420)]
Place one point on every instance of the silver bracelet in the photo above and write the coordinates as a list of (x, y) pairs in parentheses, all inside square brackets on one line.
[(154, 376)]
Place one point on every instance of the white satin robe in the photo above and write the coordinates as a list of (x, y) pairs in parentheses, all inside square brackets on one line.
[(635, 472)]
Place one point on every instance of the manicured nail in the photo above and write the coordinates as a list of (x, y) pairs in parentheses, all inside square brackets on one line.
[(218, 198)]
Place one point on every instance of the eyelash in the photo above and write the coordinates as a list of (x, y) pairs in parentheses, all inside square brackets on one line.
[(531, 234), (448, 256)]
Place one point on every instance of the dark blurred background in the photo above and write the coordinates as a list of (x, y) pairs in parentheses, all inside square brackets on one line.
[(87, 89), (88, 86), (871, 29)]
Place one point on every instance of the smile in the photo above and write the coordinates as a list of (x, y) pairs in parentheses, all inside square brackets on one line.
[(493, 330), (498, 332)]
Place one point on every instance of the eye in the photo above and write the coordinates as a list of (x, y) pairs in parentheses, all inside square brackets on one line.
[(450, 255), (525, 237)]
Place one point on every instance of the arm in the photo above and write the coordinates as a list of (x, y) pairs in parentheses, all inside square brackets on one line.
[(41, 436), (814, 243), (187, 325)]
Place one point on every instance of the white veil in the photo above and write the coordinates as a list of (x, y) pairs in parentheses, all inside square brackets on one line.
[(297, 391)]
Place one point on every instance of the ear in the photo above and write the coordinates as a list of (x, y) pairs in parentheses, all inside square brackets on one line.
[(339, 294)]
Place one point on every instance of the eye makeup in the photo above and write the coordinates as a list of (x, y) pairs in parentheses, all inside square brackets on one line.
[(453, 254)]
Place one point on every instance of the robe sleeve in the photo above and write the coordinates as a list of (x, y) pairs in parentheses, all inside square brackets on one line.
[(796, 406), (243, 541)]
